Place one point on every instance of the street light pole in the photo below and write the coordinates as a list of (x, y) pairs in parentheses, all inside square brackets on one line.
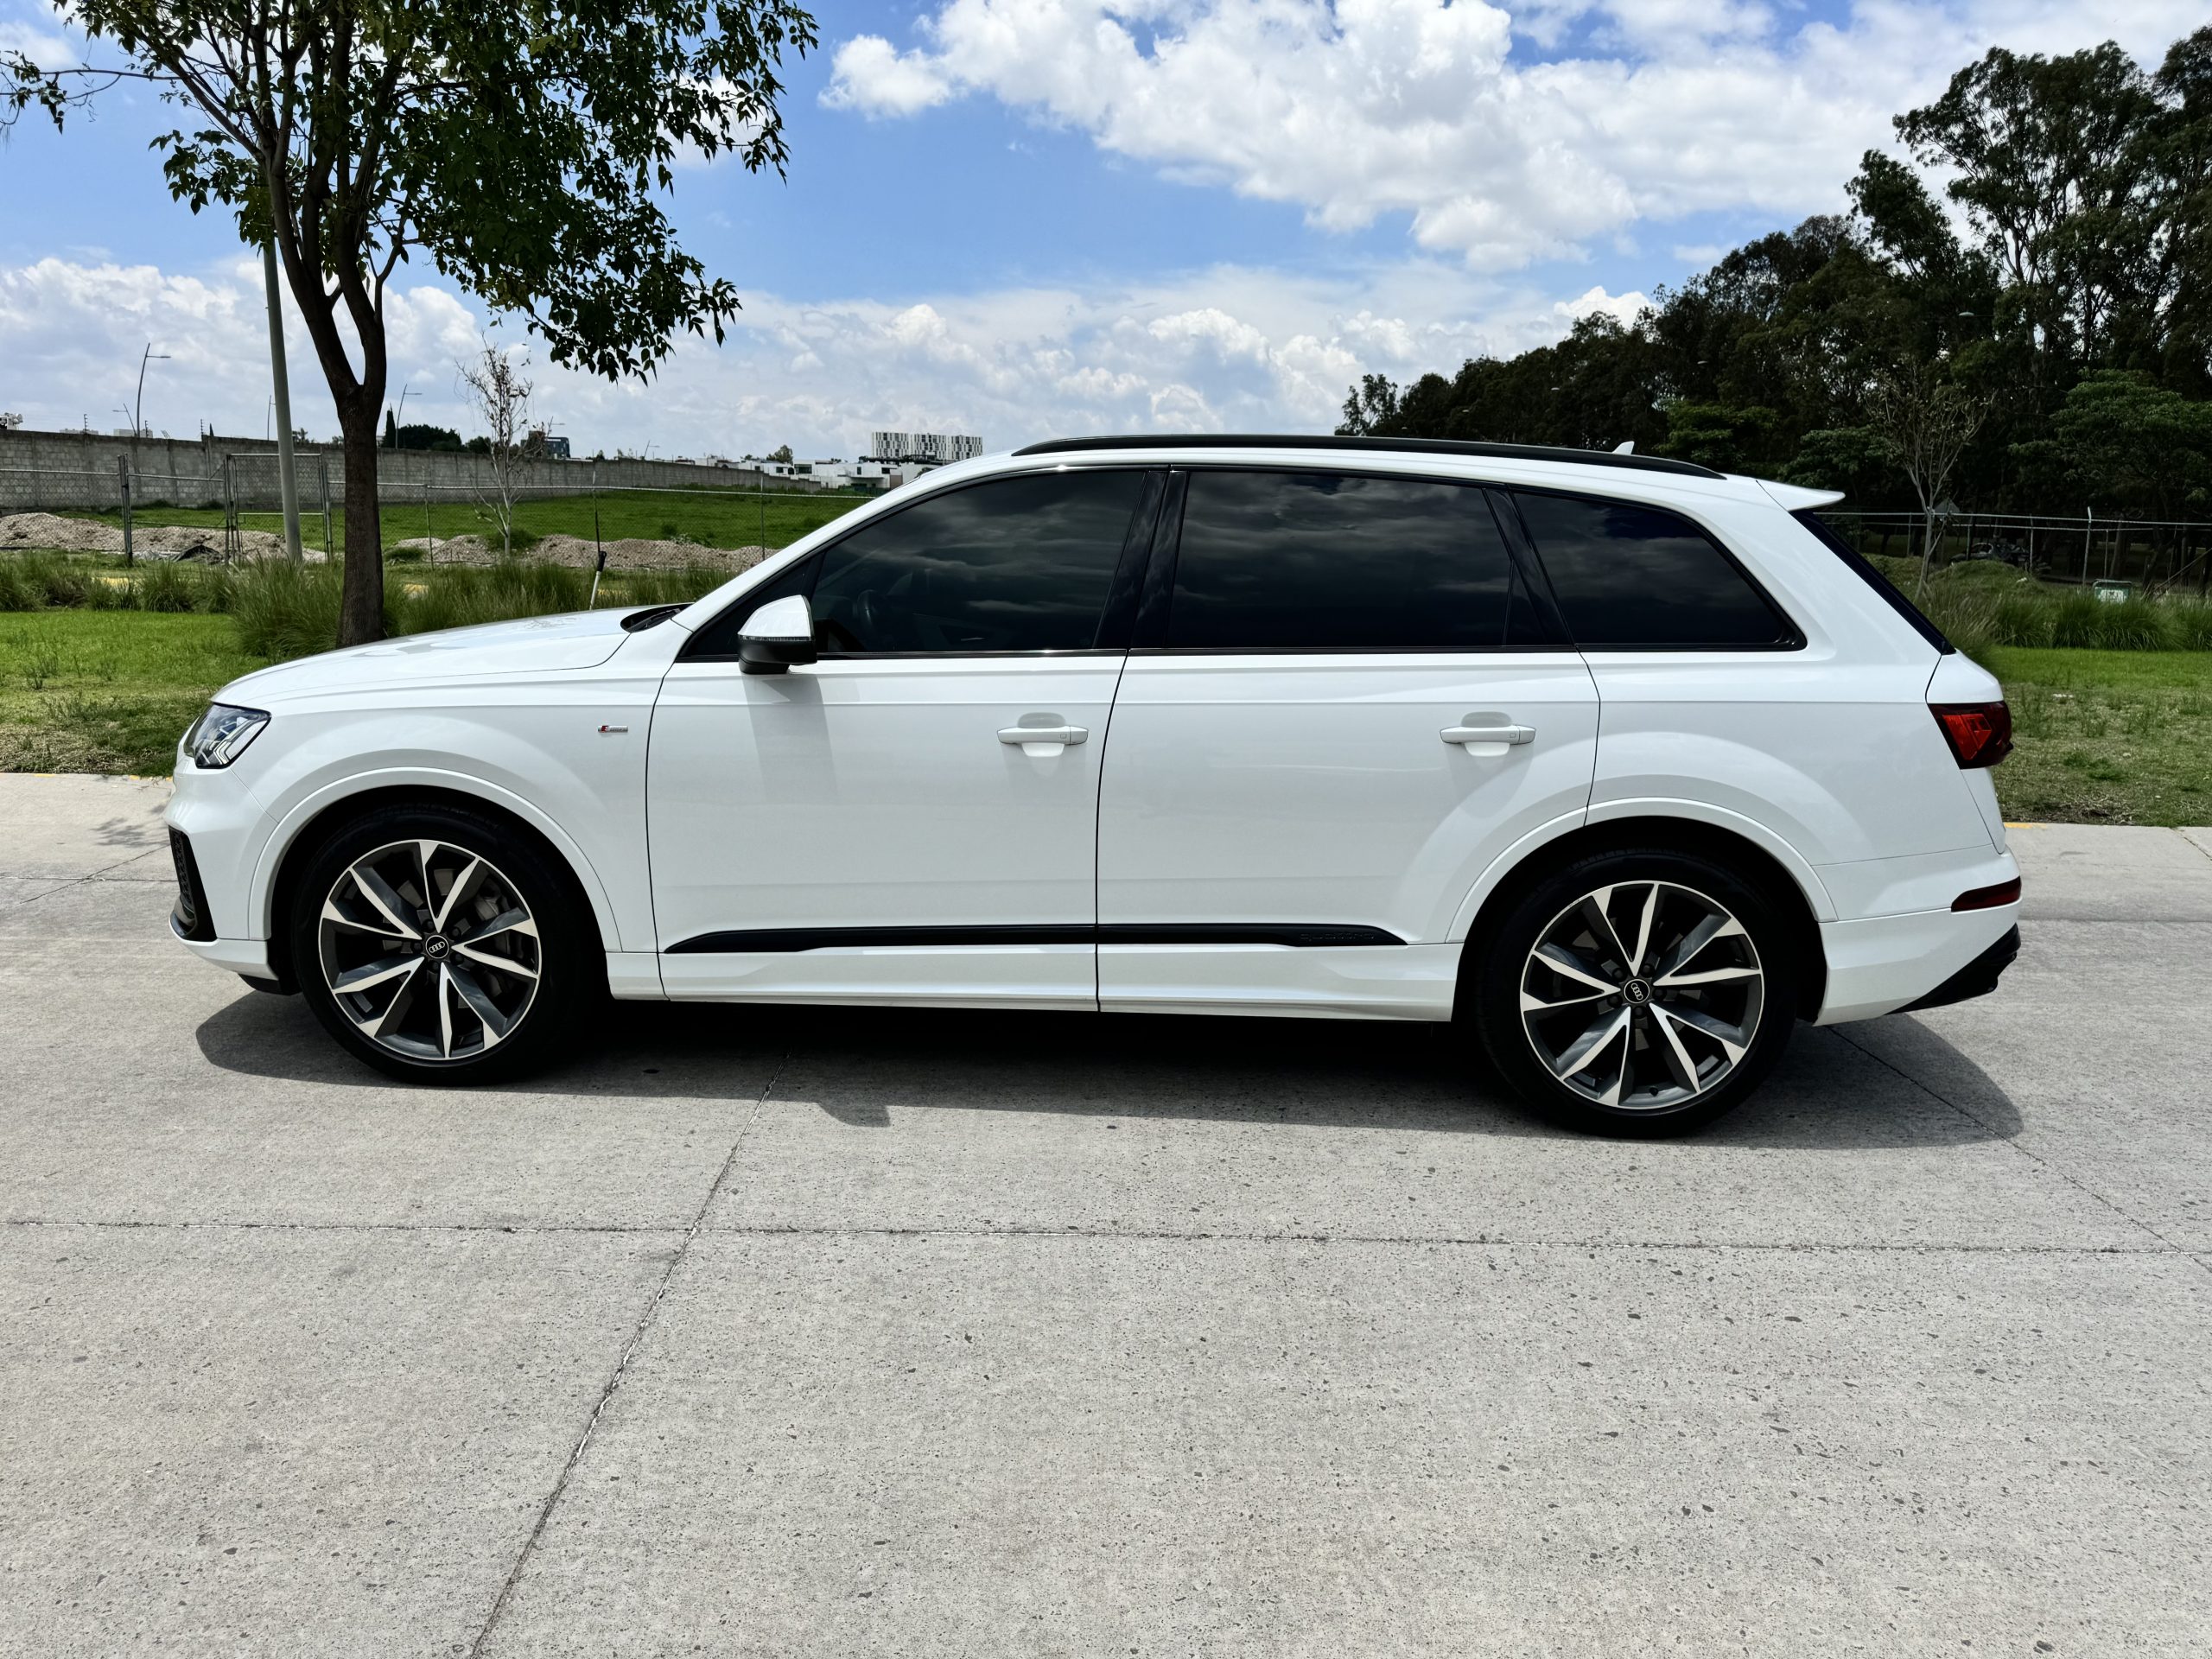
[(288, 483), (138, 403)]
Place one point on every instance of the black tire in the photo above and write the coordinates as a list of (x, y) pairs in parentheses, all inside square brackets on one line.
[(1671, 1068), (544, 976)]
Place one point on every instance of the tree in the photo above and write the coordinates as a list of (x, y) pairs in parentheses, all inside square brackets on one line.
[(1924, 421), (783, 453), (2135, 447), (523, 149), (501, 394)]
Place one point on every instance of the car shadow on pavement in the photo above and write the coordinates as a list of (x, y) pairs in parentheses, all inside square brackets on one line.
[(854, 1064)]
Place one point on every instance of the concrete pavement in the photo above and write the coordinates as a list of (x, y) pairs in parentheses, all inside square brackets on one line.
[(785, 1332)]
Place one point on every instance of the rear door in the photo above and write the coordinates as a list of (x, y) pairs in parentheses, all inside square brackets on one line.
[(1343, 705)]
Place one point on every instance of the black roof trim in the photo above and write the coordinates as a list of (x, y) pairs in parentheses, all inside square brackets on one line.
[(1379, 446)]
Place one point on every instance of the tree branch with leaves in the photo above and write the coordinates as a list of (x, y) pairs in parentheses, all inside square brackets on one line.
[(524, 151)]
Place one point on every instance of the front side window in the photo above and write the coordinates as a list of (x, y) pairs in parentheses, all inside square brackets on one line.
[(1014, 564), (1300, 560), (1628, 575)]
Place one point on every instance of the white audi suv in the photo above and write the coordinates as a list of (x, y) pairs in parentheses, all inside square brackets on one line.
[(1623, 764)]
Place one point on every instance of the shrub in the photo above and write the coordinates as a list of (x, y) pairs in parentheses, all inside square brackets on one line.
[(165, 587), (460, 597), (283, 610), (18, 592)]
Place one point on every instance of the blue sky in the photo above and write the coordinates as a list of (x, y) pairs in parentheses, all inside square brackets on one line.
[(1021, 217)]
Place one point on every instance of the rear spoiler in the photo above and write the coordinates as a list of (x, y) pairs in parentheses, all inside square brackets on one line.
[(1796, 498)]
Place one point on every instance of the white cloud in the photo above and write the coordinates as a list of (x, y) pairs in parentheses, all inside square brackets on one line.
[(1225, 349), (1363, 108), (39, 33), (1624, 308)]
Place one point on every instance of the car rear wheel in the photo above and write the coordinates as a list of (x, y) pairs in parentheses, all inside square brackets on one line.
[(1639, 992), (440, 944)]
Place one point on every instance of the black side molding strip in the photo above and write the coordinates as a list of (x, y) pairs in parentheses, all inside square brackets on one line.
[(1291, 933), (782, 940)]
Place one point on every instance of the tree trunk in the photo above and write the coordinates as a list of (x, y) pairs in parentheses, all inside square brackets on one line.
[(1927, 552), (360, 608)]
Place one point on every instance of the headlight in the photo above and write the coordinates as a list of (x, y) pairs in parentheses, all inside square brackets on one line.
[(221, 735)]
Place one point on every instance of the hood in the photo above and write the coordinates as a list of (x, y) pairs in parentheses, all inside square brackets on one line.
[(535, 645)]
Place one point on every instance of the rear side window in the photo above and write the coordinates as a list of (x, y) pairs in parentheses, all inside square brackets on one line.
[(1300, 560), (1860, 567), (1630, 577), (1014, 564)]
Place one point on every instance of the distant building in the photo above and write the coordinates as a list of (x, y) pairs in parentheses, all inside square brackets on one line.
[(928, 448), (545, 443)]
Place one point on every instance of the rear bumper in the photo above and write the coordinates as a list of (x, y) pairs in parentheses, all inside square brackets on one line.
[(1888, 962), (1977, 978)]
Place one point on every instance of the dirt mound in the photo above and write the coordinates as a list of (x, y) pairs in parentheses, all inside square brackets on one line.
[(49, 533), (628, 554)]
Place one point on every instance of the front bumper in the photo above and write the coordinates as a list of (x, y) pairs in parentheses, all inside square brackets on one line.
[(218, 830)]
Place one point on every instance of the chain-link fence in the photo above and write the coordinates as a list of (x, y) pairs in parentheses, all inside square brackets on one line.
[(2157, 554)]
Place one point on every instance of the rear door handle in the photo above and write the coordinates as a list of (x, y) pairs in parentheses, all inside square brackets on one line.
[(1043, 740), (1489, 738)]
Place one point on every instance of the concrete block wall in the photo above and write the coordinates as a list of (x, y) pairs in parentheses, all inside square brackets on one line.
[(52, 470)]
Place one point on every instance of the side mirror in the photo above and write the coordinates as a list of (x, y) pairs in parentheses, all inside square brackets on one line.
[(779, 634)]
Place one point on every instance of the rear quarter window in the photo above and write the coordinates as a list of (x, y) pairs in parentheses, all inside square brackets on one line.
[(1864, 569), (1630, 576)]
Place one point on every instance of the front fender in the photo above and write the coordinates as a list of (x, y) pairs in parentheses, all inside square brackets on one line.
[(567, 759)]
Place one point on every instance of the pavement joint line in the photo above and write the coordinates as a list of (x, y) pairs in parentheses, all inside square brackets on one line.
[(2036, 1157), (62, 883), (622, 1366), (1147, 1235)]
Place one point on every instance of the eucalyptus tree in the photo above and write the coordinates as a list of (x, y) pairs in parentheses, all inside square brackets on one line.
[(524, 151)]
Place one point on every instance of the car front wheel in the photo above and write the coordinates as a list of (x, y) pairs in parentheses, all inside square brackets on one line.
[(1640, 992), (439, 944)]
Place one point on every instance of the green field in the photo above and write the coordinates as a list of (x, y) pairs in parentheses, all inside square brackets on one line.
[(107, 690), (709, 519), (2106, 736)]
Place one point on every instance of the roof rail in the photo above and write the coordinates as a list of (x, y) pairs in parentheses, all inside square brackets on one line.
[(1400, 446)]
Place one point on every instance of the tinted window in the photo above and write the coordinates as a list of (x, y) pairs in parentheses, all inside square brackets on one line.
[(1865, 571), (1635, 575), (1015, 564), (1321, 561)]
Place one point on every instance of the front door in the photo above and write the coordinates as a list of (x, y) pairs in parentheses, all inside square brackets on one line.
[(915, 814), (1341, 707)]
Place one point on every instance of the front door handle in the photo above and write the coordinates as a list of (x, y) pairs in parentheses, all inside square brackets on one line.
[(1043, 740), (1488, 739)]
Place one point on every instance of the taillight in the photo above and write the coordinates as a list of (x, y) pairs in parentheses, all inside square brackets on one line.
[(2005, 893), (1979, 734)]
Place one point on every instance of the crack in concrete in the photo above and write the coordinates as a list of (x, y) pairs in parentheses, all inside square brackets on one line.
[(621, 1368), (2036, 1157)]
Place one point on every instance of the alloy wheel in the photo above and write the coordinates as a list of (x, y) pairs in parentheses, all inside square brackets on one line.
[(1643, 995), (430, 949)]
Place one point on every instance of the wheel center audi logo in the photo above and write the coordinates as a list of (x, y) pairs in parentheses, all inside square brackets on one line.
[(1637, 991), (436, 947)]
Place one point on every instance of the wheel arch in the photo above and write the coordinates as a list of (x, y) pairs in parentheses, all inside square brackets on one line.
[(1798, 908), (288, 851)]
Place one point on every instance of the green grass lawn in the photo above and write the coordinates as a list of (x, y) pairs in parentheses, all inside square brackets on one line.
[(107, 690), (711, 520), (2106, 736)]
